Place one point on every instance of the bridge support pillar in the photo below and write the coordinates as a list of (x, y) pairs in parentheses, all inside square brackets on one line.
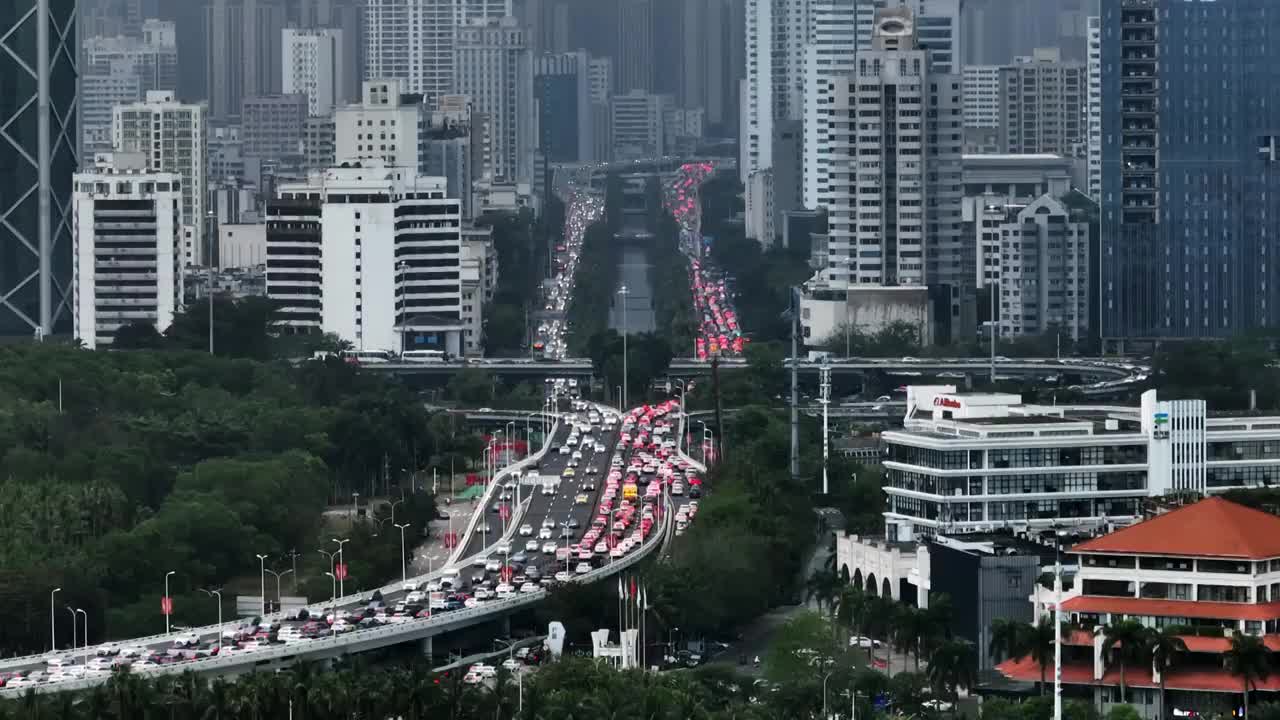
[(425, 646), (968, 381), (506, 626)]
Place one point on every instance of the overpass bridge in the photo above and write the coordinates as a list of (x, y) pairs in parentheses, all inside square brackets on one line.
[(417, 630)]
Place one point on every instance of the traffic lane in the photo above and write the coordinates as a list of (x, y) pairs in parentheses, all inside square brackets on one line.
[(480, 540)]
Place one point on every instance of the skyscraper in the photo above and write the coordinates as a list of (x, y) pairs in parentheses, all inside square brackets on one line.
[(38, 107), (635, 60), (412, 41), (1043, 104), (494, 68), (1190, 168), (562, 89), (243, 56), (1094, 115)]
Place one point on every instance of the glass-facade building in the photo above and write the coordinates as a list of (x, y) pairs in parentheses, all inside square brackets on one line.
[(21, 160), (1190, 173)]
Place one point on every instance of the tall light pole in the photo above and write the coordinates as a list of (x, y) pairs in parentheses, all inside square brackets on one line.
[(393, 509), (168, 601), (74, 643), (262, 581), (825, 678), (342, 581), (333, 603), (53, 623), (86, 632), (404, 574), (279, 595), (1057, 628), (624, 293), (210, 593)]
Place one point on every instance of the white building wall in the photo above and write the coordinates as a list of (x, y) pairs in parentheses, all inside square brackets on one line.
[(96, 318), (312, 65), (242, 245), (183, 149), (982, 96), (379, 128)]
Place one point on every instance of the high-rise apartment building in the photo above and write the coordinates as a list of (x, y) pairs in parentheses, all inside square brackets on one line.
[(635, 58), (173, 138), (314, 66), (710, 31), (318, 138), (895, 214), (839, 30), (982, 96), (1043, 103), (495, 69), (38, 108), (773, 88), (1036, 256), (562, 90), (1094, 105), (1190, 168), (127, 235), (371, 253)]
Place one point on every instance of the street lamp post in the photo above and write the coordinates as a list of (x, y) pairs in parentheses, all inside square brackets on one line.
[(262, 581), (218, 595), (74, 641), (342, 588), (404, 574), (279, 595), (86, 633), (169, 614), (333, 603), (393, 510), (355, 506), (825, 678), (53, 623), (624, 293)]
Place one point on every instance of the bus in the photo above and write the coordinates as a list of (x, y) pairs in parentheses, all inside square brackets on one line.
[(423, 356), (366, 357)]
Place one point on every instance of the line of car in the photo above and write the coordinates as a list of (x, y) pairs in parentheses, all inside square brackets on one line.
[(581, 210)]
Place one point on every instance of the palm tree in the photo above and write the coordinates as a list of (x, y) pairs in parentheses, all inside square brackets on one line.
[(1129, 640), (851, 608), (1248, 658), (824, 586), (1164, 646), (1007, 639), (879, 621), (1038, 640), (952, 666)]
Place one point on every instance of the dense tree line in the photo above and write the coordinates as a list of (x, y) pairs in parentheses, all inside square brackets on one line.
[(595, 285), (120, 466)]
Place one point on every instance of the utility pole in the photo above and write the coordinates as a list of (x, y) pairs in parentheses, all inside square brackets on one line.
[(825, 399), (715, 392), (795, 392)]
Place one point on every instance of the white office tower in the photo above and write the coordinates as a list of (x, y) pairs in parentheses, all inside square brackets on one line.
[(382, 127), (371, 253), (313, 66), (1094, 116), (495, 69), (128, 268), (467, 11), (173, 137), (638, 120), (839, 29)]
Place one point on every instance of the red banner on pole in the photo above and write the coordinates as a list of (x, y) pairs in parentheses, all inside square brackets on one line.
[(166, 606), (340, 571), (504, 512)]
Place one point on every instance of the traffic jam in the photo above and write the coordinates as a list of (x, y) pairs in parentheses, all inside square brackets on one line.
[(718, 330), (644, 464), (581, 210)]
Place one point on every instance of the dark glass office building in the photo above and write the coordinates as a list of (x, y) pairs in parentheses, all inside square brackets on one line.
[(1190, 171), (36, 37)]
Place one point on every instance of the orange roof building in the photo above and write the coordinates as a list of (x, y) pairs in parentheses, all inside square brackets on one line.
[(1212, 567)]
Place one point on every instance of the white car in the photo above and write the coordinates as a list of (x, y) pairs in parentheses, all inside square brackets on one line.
[(564, 576), (549, 547), (511, 664), (526, 530), (582, 568), (472, 678), (528, 587), (504, 591), (503, 548), (531, 546), (544, 533), (493, 564), (564, 450)]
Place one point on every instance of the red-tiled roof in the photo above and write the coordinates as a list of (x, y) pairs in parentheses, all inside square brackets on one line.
[(1138, 675), (1210, 528), (1172, 608)]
